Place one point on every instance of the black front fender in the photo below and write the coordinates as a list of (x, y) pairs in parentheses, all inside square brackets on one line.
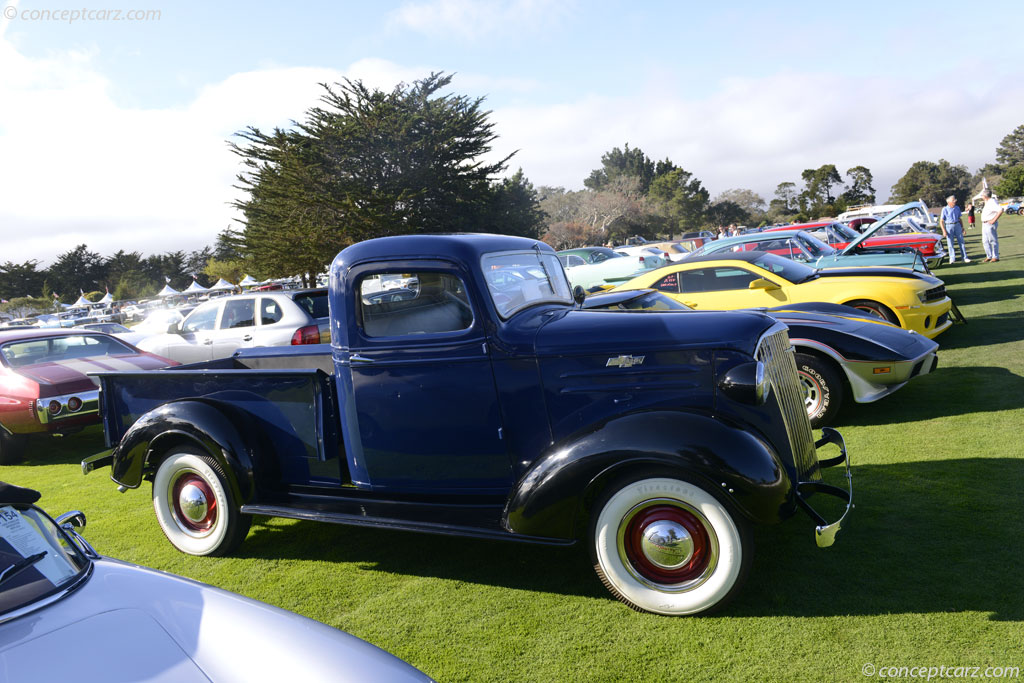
[(552, 498), (212, 426)]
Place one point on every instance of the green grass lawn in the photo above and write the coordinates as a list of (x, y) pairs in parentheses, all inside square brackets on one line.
[(927, 572)]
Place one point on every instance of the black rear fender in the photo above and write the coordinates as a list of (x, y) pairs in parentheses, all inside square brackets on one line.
[(553, 498), (213, 428)]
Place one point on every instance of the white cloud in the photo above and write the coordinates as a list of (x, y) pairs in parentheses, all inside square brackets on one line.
[(475, 19), (756, 133), (78, 168)]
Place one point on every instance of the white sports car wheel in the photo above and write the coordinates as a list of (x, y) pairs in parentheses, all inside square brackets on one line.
[(195, 507), (668, 546)]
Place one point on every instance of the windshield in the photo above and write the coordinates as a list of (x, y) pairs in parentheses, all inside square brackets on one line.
[(36, 558), (844, 233), (783, 267), (52, 349), (903, 225), (516, 280), (816, 246)]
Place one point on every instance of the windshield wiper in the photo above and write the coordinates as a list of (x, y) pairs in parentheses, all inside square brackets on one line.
[(17, 567)]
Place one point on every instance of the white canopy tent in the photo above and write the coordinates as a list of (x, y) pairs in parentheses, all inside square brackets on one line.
[(221, 286), (195, 288), (82, 301), (168, 291), (108, 298), (248, 281)]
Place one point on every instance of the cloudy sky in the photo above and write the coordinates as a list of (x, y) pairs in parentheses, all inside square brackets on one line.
[(113, 132)]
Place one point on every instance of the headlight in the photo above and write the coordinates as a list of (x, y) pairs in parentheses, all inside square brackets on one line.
[(923, 296), (746, 383)]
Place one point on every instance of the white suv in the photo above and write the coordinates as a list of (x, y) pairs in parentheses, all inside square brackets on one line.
[(217, 328)]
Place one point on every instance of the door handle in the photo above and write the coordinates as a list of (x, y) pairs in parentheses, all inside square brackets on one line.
[(690, 304), (207, 342), (356, 358), (247, 337)]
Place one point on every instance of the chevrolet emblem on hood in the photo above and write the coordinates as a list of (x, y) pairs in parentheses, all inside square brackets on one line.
[(624, 361)]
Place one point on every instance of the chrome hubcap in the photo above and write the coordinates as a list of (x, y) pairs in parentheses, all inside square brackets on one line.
[(812, 396), (193, 503), (667, 544)]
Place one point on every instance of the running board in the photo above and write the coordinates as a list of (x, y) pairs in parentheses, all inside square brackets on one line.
[(398, 524)]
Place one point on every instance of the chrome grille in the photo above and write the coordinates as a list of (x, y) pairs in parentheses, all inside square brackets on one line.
[(776, 353)]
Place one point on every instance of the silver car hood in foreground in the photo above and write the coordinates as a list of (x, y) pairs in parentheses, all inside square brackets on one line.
[(129, 623)]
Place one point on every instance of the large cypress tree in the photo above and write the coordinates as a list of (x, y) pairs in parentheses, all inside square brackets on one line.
[(368, 163)]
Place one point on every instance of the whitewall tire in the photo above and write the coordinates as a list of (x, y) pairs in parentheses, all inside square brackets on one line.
[(194, 505), (668, 546)]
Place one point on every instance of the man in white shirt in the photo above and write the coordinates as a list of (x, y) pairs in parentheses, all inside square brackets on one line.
[(990, 214)]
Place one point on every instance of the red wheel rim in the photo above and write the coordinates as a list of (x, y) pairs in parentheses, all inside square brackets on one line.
[(634, 536), (207, 519)]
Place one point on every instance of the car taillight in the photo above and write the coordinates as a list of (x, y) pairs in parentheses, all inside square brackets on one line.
[(74, 404), (641, 259), (310, 334), (54, 407)]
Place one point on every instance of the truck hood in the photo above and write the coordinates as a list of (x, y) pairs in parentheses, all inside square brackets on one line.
[(616, 332)]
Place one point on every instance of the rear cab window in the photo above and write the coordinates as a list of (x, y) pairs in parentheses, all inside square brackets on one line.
[(414, 304)]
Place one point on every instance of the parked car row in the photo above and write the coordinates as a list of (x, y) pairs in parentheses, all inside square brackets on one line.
[(470, 389)]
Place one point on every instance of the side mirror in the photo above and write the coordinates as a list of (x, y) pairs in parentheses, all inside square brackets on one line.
[(579, 294), (76, 518), (761, 283), (71, 522), (173, 328)]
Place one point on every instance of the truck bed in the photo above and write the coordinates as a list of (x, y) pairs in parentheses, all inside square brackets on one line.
[(288, 399)]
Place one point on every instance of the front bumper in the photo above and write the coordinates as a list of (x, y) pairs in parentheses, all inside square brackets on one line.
[(867, 384), (930, 319), (824, 531), (936, 259)]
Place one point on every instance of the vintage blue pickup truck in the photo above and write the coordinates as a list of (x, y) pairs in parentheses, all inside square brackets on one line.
[(466, 392)]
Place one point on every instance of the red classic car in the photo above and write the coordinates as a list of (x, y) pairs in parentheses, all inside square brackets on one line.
[(44, 386), (838, 235)]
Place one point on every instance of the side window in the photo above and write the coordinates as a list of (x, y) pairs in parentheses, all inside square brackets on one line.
[(695, 280), (315, 304), (202, 319), (669, 283), (575, 260), (419, 303), (238, 313), (270, 311), (598, 257), (729, 278)]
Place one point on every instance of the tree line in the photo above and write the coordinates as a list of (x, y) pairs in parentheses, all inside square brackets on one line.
[(366, 163)]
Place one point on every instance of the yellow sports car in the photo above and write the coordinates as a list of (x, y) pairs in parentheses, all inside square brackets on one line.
[(749, 279)]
